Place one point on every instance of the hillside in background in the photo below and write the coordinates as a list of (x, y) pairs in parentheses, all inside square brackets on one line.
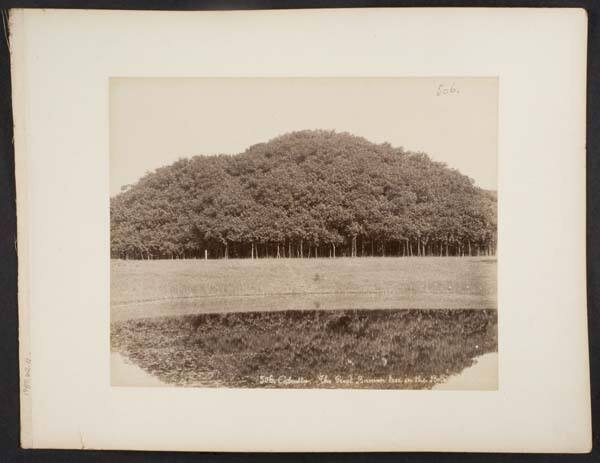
[(304, 194)]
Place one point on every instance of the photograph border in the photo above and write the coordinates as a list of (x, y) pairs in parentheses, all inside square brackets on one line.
[(192, 121)]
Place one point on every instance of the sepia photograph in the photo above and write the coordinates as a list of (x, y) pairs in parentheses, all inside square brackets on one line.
[(304, 232), (300, 230)]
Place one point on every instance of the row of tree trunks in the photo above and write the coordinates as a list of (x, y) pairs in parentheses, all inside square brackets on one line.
[(399, 248)]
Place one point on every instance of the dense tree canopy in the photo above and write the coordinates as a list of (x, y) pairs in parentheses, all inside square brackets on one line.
[(304, 194)]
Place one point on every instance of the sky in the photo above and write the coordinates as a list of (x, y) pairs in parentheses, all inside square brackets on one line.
[(155, 121)]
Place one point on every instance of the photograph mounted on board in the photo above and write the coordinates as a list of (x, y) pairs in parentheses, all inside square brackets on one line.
[(304, 232)]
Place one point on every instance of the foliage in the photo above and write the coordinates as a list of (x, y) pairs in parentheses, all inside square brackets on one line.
[(364, 348), (304, 194)]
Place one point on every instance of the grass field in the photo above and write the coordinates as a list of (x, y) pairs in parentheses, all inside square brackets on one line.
[(297, 323), (177, 287)]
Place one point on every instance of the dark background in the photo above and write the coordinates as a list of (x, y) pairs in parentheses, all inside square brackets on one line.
[(9, 379)]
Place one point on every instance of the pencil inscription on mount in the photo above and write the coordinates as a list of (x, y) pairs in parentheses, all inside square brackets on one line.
[(444, 89)]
